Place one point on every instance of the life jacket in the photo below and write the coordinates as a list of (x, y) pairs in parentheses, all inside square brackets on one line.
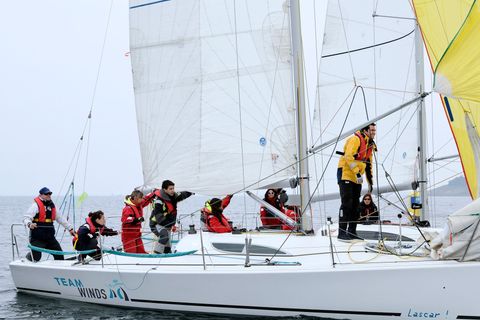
[(170, 207), (44, 215), (91, 227), (206, 211), (364, 152), (137, 214)]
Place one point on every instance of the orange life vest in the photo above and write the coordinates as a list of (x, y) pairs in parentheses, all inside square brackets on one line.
[(364, 152), (41, 216)]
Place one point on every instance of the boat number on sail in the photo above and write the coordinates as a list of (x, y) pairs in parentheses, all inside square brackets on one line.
[(113, 290), (412, 313)]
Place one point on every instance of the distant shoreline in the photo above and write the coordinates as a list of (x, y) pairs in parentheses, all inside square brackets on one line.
[(456, 187)]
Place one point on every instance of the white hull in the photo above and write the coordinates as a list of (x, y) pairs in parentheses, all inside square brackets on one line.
[(388, 287)]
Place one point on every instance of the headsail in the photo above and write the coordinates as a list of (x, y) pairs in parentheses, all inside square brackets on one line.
[(213, 92), (450, 31)]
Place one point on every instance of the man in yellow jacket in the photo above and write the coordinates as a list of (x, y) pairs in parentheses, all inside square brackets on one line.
[(355, 161)]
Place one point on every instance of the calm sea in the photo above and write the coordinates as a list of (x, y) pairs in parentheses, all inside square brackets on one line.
[(15, 305)]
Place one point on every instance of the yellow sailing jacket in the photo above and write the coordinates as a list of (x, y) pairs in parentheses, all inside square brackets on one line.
[(349, 166)]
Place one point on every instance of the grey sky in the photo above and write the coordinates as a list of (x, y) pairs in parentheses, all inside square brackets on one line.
[(50, 56)]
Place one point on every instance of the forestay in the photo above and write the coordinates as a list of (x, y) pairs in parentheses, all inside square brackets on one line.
[(213, 92)]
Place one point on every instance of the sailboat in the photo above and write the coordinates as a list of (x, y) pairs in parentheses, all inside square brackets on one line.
[(219, 90)]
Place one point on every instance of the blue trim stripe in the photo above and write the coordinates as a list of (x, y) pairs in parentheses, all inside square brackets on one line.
[(449, 110), (148, 4)]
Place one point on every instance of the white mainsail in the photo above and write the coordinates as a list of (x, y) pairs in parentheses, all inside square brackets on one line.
[(213, 93), (369, 45)]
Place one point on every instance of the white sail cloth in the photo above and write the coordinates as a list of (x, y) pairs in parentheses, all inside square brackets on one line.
[(460, 238), (213, 93)]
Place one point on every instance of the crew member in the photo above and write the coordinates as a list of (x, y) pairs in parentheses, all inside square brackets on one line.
[(213, 217), (87, 235), (276, 198), (39, 219), (132, 218), (164, 214), (353, 164)]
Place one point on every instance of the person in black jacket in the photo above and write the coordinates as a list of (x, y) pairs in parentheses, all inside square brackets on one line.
[(87, 235), (368, 211), (164, 214)]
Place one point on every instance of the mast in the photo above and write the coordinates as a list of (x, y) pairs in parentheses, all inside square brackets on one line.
[(421, 118), (299, 94)]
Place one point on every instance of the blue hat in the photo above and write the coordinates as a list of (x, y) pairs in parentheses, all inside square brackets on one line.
[(45, 190)]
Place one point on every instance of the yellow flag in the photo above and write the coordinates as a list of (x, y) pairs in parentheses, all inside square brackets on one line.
[(82, 198)]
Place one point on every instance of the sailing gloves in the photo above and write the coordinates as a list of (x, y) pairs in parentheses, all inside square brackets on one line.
[(141, 219), (359, 178)]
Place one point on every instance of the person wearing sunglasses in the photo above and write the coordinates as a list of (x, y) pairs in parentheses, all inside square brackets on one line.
[(276, 198), (39, 219), (368, 211)]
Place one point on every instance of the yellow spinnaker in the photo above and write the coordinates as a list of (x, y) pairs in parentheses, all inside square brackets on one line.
[(451, 32)]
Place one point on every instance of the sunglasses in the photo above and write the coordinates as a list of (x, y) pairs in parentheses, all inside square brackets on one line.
[(367, 199)]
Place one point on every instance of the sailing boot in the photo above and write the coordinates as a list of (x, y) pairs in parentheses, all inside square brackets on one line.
[(352, 231)]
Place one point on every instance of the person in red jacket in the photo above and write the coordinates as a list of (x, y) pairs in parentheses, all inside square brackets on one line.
[(276, 198), (132, 218), (212, 215)]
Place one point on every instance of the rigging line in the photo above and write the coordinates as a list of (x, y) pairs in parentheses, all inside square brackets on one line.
[(389, 90), (317, 103), (374, 20), (272, 93), (323, 173), (443, 26), (429, 168), (252, 79), (368, 47), (101, 59), (80, 143), (403, 100), (86, 160), (147, 4), (239, 105), (401, 134), (397, 194), (333, 117), (364, 102), (443, 146), (378, 193), (346, 42), (446, 179), (446, 164), (78, 149), (167, 96)]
